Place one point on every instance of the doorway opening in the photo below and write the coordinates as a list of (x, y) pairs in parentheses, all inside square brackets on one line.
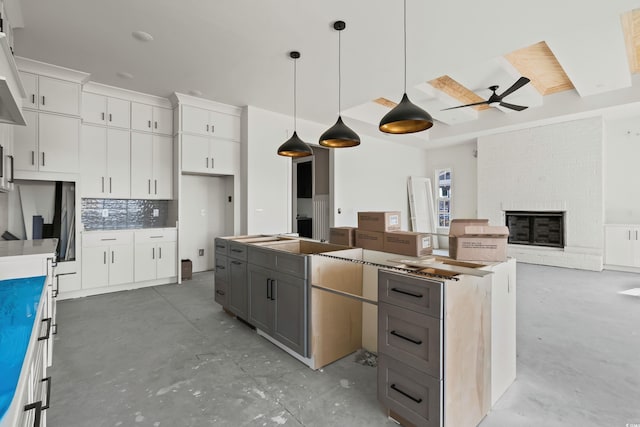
[(310, 201)]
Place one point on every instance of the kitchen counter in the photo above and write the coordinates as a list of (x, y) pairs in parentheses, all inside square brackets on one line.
[(11, 248)]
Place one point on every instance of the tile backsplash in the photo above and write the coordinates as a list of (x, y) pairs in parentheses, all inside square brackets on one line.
[(115, 214)]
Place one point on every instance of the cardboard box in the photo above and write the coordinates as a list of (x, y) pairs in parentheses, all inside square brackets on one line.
[(476, 240), (379, 221), (187, 269), (373, 240), (345, 236), (408, 243)]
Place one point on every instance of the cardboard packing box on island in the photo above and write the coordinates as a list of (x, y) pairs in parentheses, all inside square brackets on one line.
[(410, 243), (379, 221), (476, 240), (345, 236), (372, 240)]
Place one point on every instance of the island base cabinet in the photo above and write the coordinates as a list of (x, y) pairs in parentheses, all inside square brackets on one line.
[(221, 278), (260, 311), (238, 298)]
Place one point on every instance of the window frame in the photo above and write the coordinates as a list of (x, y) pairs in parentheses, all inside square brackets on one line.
[(443, 216)]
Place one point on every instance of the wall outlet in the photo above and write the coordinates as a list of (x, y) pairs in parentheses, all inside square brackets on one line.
[(200, 252), (105, 213), (156, 213)]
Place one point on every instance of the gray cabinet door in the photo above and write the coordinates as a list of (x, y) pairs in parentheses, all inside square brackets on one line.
[(221, 292), (260, 309), (289, 298), (238, 288), (222, 268)]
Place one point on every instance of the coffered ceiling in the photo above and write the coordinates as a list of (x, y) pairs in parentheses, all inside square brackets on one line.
[(582, 56)]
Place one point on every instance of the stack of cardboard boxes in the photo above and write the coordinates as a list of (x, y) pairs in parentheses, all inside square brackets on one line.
[(476, 240), (381, 231)]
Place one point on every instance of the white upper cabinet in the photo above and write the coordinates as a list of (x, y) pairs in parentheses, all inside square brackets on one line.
[(211, 123), (210, 155), (148, 118), (51, 94), (104, 110)]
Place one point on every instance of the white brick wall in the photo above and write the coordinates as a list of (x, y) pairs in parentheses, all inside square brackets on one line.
[(555, 167)]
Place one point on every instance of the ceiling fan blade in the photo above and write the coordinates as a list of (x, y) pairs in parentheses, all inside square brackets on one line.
[(513, 106), (517, 85), (467, 105)]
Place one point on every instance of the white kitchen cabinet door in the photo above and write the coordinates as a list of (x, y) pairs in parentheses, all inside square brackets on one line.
[(195, 120), (121, 264), (163, 120), (93, 155), (225, 126), (30, 83), (94, 108), (141, 165), (162, 167), (118, 161), (146, 255), (167, 260), (95, 267), (59, 96), (141, 117), (25, 145), (58, 143), (224, 157), (621, 246), (195, 154), (118, 113)]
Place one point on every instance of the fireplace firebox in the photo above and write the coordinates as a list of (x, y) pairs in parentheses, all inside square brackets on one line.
[(536, 228)]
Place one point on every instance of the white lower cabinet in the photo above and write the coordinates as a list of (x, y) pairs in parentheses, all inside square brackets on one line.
[(107, 258), (155, 254), (622, 245)]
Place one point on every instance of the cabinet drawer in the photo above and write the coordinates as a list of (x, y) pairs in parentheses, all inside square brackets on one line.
[(412, 338), (93, 238), (296, 265), (238, 250), (414, 395), (414, 293), (263, 257), (222, 267), (221, 291), (156, 235), (221, 245)]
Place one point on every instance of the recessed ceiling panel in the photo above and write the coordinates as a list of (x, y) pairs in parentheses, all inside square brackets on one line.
[(631, 29), (538, 63)]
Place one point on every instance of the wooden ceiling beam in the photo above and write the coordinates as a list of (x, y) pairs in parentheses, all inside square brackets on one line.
[(385, 102), (631, 31), (457, 91)]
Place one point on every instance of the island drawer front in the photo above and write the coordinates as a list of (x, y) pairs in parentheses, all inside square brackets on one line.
[(414, 395), (413, 293), (221, 292), (221, 245), (410, 337), (222, 268), (237, 250), (95, 238), (262, 257), (293, 264)]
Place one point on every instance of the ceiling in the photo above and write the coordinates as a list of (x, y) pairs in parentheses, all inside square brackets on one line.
[(236, 52)]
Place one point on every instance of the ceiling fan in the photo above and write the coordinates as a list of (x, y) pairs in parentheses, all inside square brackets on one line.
[(497, 99)]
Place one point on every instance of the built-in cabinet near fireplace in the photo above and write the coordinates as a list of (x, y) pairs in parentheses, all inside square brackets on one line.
[(536, 228)]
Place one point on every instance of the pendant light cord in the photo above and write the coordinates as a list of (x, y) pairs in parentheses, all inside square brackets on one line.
[(295, 84), (405, 46), (339, 74)]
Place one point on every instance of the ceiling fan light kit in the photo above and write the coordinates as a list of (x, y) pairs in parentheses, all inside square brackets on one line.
[(405, 117), (294, 146), (339, 135)]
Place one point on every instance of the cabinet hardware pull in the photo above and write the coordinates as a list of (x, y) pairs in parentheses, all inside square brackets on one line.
[(155, 125), (149, 186), (405, 394), (221, 267), (38, 407), (112, 258), (236, 250), (156, 237), (159, 253), (149, 124), (411, 294), (629, 234), (636, 234), (220, 246), (48, 380), (399, 335), (42, 99), (153, 253), (33, 157), (102, 116), (110, 117), (43, 158), (155, 185), (207, 128), (104, 257), (106, 240), (212, 128), (268, 289), (212, 163), (219, 292), (110, 191), (102, 183), (207, 163), (33, 98), (48, 333), (11, 181), (236, 263)]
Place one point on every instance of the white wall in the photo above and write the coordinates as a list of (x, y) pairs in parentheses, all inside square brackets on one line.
[(464, 177), (622, 171), (554, 167), (206, 217)]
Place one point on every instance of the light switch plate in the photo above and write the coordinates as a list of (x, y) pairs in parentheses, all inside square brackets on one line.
[(105, 213), (156, 213)]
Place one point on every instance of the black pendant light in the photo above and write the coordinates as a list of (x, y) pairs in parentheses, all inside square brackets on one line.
[(339, 135), (294, 146), (405, 117)]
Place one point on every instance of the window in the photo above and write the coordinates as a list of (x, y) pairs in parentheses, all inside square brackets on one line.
[(443, 180)]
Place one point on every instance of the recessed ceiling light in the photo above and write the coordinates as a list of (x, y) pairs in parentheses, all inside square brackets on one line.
[(142, 36), (124, 75), (195, 93)]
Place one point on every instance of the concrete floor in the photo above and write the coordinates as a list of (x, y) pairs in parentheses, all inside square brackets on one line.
[(169, 356)]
